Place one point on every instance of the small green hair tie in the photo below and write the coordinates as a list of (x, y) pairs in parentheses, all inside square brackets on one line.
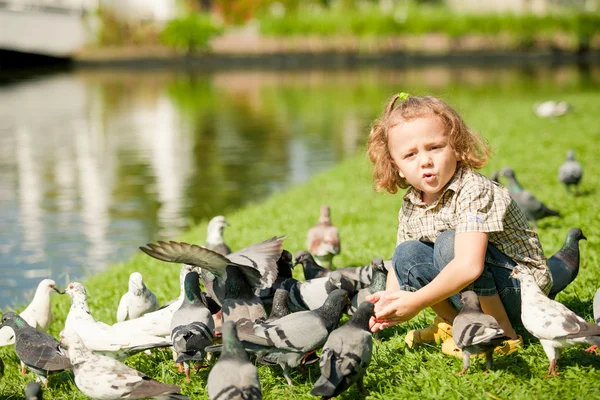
[(403, 96)]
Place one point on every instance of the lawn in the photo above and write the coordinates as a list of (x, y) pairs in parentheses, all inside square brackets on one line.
[(533, 147)]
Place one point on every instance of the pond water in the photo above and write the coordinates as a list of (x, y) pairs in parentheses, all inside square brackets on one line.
[(95, 163)]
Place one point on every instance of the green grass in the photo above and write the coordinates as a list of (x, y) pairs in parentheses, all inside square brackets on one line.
[(534, 147)]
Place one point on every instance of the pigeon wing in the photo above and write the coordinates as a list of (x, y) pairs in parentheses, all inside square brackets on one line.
[(261, 257)]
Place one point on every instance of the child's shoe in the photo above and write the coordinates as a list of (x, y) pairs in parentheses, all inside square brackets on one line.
[(436, 333), (507, 347)]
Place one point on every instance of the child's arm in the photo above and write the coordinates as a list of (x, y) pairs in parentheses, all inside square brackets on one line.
[(466, 267)]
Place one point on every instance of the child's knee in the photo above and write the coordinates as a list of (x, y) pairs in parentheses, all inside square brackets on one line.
[(406, 253), (444, 248)]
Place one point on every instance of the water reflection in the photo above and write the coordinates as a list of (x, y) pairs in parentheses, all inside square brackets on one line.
[(94, 164)]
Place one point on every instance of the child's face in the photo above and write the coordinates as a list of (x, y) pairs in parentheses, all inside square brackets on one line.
[(422, 152)]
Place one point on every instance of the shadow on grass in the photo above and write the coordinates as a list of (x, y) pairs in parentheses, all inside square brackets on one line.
[(513, 364), (579, 307)]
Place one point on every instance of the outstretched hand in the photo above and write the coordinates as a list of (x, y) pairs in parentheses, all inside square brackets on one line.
[(392, 308)]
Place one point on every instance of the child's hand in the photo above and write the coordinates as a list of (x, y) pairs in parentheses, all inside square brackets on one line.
[(392, 308)]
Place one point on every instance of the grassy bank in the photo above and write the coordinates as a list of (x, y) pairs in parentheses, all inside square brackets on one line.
[(534, 147)]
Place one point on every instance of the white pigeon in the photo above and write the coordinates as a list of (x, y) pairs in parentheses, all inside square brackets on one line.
[(38, 313), (551, 108), (158, 323), (550, 321), (138, 300), (101, 377), (214, 235), (103, 338)]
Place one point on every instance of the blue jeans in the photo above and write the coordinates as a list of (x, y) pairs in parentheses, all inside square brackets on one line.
[(418, 263)]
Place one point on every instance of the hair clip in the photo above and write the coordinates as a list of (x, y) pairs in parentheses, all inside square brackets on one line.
[(403, 96)]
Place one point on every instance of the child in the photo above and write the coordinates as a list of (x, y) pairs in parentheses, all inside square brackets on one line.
[(457, 230)]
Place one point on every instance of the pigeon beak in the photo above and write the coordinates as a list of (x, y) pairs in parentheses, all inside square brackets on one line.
[(58, 290), (583, 237)]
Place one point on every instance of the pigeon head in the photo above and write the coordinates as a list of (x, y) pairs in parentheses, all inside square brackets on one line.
[(302, 256), (191, 286), (507, 172), (519, 272), (13, 320), (136, 282), (48, 285), (363, 315), (470, 300), (377, 263), (325, 214), (76, 291), (217, 225), (574, 235), (571, 155), (33, 391), (285, 265)]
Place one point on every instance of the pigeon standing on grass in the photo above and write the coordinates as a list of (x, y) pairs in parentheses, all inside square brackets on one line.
[(214, 236), (138, 300), (564, 265), (379, 278), (41, 352), (288, 340), (550, 321), (240, 302), (192, 326), (533, 209), (33, 391), (100, 337), (233, 376), (570, 172), (105, 378), (346, 355), (551, 108), (475, 332), (323, 239), (38, 313), (258, 263)]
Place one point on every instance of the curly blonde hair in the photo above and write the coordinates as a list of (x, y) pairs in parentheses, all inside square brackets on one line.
[(471, 149)]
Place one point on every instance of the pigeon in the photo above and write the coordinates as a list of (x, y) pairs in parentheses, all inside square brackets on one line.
[(138, 301), (551, 108), (280, 305), (38, 313), (564, 265), (284, 271), (33, 391), (311, 269), (346, 355), (233, 376), (377, 284), (192, 326), (596, 305), (288, 340), (360, 276), (550, 321), (102, 338), (533, 209), (258, 262), (476, 332), (570, 172), (41, 352), (240, 302), (214, 236), (101, 377), (158, 323), (311, 294), (323, 239)]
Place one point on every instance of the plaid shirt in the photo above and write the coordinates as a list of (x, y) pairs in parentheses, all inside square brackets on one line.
[(473, 203)]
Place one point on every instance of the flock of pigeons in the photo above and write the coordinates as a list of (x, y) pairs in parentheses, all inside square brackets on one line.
[(253, 305)]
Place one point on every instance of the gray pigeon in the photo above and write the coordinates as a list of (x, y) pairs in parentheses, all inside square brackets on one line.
[(379, 278), (550, 321), (564, 265), (38, 350), (533, 209), (33, 391), (476, 332), (311, 294), (570, 172), (240, 303), (289, 340), (192, 325), (233, 376), (323, 239), (102, 377), (311, 269), (214, 236), (258, 263), (138, 300), (346, 355), (280, 305), (360, 276), (284, 271)]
